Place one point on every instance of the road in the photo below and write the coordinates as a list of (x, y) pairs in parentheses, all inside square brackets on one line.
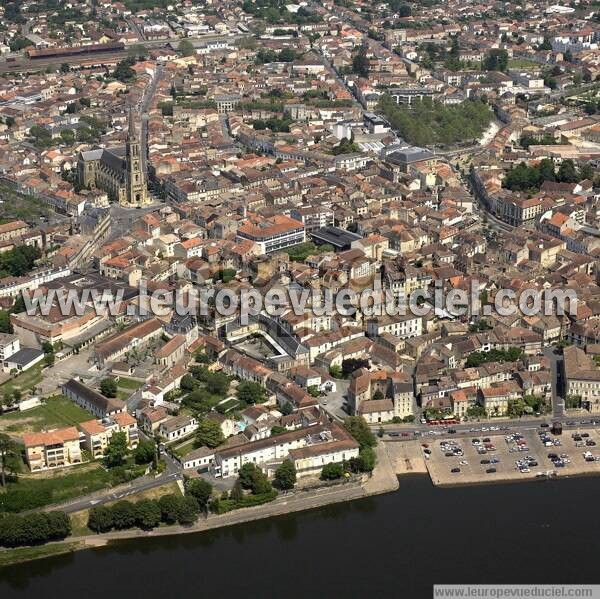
[(172, 473), (137, 486)]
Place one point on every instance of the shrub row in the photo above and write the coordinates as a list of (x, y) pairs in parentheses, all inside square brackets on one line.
[(221, 506)]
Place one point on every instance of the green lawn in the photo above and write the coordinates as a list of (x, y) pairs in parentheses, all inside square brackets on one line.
[(34, 491), (24, 381), (186, 448), (126, 383), (58, 411), (25, 554), (522, 63)]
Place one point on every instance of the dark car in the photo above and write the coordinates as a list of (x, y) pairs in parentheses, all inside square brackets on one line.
[(491, 470), (486, 439), (455, 470), (552, 456), (451, 431), (484, 462), (590, 443), (427, 451), (392, 434), (544, 425), (449, 454)]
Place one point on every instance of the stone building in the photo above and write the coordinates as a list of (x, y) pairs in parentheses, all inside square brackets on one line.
[(117, 171)]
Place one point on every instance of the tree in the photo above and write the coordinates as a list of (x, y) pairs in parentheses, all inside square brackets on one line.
[(332, 472), (285, 475), (147, 514), (9, 456), (217, 383), (352, 364), (145, 452), (116, 452), (378, 395), (253, 478), (357, 426), (100, 519), (123, 72), (186, 48), (237, 493), (496, 60), (65, 67), (360, 63), (367, 459), (586, 171), (251, 392), (108, 387), (188, 383), (33, 529), (209, 433), (287, 408), (169, 508), (567, 172), (261, 483), (49, 359), (246, 474), (123, 515), (188, 510), (200, 489)]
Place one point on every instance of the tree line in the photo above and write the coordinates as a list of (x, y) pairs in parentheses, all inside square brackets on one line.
[(530, 178), (428, 122), (33, 529)]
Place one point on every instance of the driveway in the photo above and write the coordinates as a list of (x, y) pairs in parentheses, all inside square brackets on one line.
[(333, 402)]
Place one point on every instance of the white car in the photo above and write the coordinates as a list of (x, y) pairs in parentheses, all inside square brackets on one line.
[(463, 463)]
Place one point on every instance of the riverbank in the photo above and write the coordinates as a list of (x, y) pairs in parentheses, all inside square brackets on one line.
[(383, 480)]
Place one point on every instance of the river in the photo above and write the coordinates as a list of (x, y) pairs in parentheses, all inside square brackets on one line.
[(394, 545)]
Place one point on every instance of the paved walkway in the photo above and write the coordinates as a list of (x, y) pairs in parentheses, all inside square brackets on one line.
[(384, 479)]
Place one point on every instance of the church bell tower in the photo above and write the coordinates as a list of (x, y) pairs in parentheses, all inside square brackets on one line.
[(137, 191)]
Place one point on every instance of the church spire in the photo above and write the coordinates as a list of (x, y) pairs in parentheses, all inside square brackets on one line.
[(131, 124)]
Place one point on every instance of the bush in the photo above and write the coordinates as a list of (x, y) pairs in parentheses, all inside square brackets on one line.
[(332, 472), (221, 506)]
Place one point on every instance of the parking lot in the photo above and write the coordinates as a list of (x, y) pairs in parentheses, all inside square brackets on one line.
[(501, 456)]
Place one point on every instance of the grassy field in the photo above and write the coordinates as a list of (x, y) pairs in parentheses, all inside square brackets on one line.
[(125, 383), (24, 554), (55, 487), (57, 412), (28, 379), (48, 488), (522, 63)]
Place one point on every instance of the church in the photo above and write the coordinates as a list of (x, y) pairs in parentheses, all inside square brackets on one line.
[(117, 171)]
